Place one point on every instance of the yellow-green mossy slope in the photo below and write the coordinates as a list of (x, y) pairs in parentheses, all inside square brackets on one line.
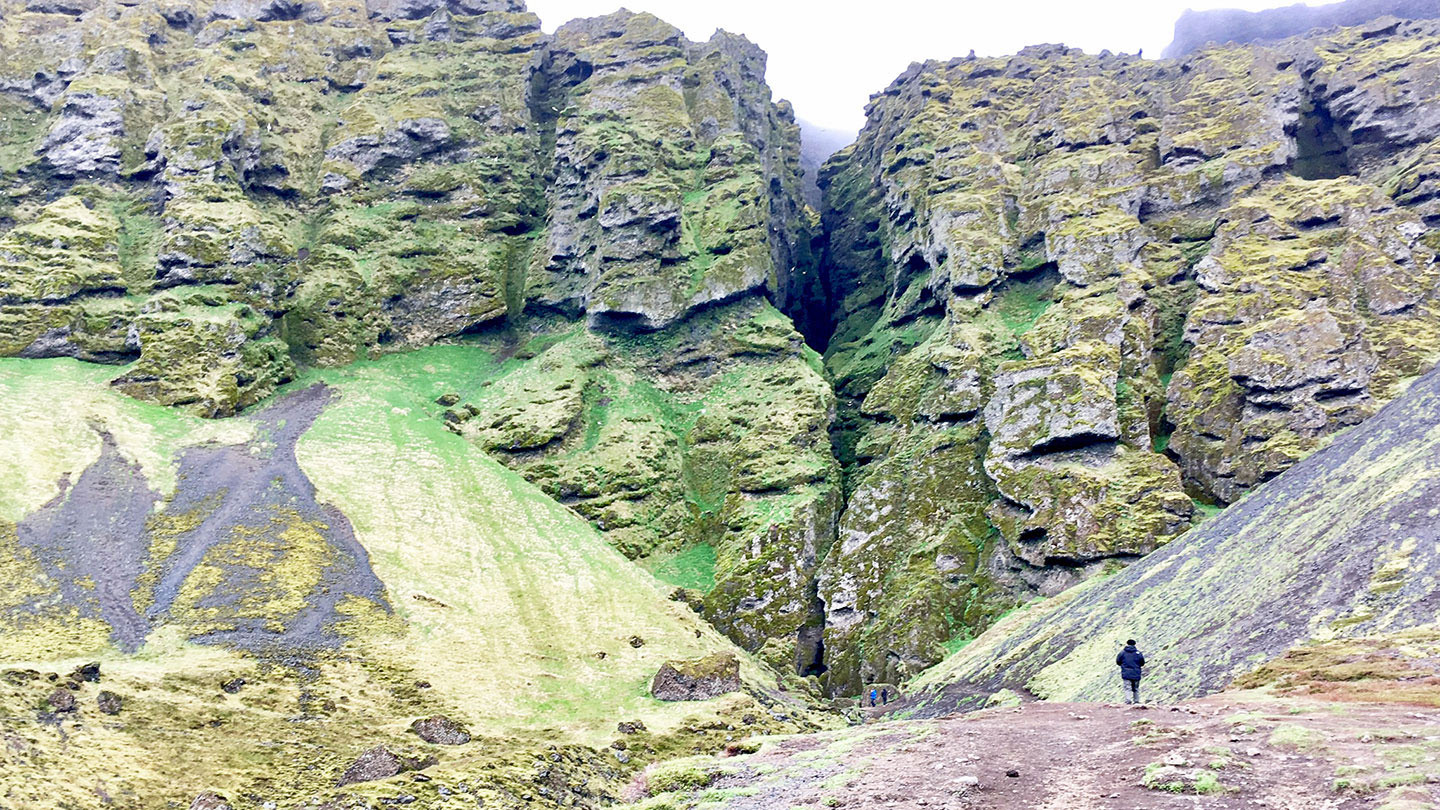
[(269, 597)]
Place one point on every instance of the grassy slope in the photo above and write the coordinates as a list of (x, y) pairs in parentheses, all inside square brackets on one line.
[(1344, 543), (533, 593), (45, 429)]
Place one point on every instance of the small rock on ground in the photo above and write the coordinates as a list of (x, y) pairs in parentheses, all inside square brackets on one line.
[(210, 801), (441, 730), (62, 700), (109, 702)]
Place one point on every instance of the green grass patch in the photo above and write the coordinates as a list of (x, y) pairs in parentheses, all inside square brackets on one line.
[(692, 568)]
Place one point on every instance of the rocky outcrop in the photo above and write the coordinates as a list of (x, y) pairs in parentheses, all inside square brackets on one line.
[(385, 188), (1346, 544), (210, 801), (62, 701), (1072, 296), (440, 730), (374, 763), (701, 679), (109, 702), (708, 440), (676, 178), (1196, 29)]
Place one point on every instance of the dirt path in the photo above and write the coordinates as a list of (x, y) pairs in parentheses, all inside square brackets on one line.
[(1246, 751)]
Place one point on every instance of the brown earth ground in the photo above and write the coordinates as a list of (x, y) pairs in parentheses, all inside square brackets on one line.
[(1238, 750), (1339, 725)]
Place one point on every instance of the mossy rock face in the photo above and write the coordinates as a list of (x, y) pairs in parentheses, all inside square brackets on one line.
[(206, 359), (710, 436), (369, 178), (1344, 543), (1316, 301), (676, 178), (909, 571), (1129, 283)]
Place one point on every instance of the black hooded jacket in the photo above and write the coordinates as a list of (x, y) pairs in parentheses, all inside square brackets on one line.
[(1130, 660)]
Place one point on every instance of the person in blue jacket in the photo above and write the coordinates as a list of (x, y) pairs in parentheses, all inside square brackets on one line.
[(1131, 662)]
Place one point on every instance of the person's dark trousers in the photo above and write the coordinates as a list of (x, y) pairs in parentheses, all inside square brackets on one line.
[(1132, 690)]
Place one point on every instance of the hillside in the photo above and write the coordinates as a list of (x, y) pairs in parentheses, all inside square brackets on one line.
[(1082, 301), (392, 554), (378, 364), (1340, 545)]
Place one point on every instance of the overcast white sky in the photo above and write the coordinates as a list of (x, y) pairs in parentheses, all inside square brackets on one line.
[(828, 57)]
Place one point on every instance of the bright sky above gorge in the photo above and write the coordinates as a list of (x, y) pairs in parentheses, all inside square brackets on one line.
[(828, 57)]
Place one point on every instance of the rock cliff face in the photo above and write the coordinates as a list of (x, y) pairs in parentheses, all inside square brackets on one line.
[(1195, 29), (1057, 308), (1341, 545), (676, 180), (236, 187), (1075, 292)]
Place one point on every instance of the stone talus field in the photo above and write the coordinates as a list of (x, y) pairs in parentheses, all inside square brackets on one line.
[(396, 362)]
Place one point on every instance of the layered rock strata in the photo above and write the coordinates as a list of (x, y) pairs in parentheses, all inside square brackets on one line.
[(1075, 293)]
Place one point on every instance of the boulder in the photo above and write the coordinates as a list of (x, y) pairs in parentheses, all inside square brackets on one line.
[(441, 730), (62, 700), (699, 679), (109, 702), (382, 763), (376, 763), (87, 672)]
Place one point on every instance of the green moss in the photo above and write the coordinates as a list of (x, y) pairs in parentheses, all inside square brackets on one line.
[(692, 568)]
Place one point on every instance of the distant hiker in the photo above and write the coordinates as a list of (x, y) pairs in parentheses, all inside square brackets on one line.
[(884, 697), (872, 698), (1130, 660)]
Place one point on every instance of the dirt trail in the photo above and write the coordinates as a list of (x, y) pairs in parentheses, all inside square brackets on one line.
[(1250, 751)]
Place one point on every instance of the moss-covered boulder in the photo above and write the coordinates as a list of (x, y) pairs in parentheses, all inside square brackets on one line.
[(700, 679)]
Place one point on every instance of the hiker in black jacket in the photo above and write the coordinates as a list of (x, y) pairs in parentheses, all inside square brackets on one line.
[(1130, 660)]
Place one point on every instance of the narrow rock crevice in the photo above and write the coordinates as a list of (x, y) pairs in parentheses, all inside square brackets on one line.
[(1322, 144)]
